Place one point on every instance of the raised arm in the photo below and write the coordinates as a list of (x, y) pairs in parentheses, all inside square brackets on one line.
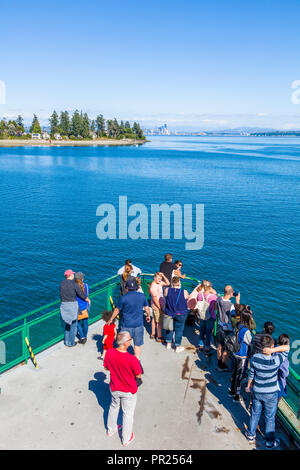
[(115, 313), (277, 349), (165, 282)]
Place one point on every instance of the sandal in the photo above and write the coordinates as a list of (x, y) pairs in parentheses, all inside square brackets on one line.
[(152, 336), (159, 339)]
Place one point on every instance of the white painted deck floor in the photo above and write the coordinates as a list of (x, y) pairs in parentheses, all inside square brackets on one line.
[(64, 403)]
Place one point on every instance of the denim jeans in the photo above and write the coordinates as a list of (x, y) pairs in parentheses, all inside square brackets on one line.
[(269, 400), (206, 327), (179, 322), (82, 328), (127, 401), (70, 332)]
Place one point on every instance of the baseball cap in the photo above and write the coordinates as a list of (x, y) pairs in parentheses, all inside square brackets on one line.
[(79, 275), (69, 272), (131, 284)]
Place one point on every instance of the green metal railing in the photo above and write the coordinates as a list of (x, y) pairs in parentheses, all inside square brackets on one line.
[(43, 329), (43, 326)]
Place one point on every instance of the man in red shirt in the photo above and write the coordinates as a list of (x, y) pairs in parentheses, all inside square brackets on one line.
[(124, 369)]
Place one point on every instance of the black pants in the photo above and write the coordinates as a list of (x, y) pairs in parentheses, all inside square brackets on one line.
[(239, 368)]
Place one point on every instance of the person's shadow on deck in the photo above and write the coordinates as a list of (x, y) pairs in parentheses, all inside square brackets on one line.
[(99, 345), (102, 392)]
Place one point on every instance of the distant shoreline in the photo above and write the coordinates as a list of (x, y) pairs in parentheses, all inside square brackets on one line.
[(69, 143)]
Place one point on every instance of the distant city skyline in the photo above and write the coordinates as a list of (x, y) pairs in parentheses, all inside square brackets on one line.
[(192, 65)]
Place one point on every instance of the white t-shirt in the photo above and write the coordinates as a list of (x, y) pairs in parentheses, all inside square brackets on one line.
[(135, 271)]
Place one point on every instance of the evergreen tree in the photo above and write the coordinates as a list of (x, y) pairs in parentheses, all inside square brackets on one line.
[(121, 129), (35, 126), (93, 126), (137, 131), (100, 126), (76, 124), (3, 125), (116, 129), (127, 127), (20, 124), (85, 131), (64, 123), (54, 127)]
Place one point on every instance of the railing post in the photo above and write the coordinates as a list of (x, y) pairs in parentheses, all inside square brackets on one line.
[(108, 294)]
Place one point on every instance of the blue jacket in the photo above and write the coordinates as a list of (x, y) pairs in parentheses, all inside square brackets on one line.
[(244, 350)]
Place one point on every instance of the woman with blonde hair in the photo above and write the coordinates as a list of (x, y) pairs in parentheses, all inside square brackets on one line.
[(192, 300), (205, 313), (126, 276)]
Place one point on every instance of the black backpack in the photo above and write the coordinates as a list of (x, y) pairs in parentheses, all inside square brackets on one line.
[(231, 341)]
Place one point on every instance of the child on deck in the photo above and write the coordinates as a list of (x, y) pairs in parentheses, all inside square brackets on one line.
[(283, 370), (109, 332)]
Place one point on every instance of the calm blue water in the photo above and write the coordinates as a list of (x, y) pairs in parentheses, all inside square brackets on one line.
[(250, 188)]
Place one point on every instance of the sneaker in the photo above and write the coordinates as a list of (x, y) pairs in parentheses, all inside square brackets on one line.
[(230, 394), (250, 439), (131, 439), (201, 344), (237, 399), (179, 349), (273, 445), (169, 346), (109, 433)]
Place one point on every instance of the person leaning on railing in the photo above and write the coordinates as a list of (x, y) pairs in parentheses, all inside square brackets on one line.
[(69, 307)]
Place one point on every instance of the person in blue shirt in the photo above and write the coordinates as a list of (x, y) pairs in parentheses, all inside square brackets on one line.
[(131, 305), (263, 382), (83, 309)]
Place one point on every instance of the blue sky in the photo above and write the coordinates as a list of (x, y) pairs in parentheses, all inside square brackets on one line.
[(192, 64)]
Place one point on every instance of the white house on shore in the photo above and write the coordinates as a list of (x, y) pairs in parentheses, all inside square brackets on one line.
[(57, 136), (36, 136), (45, 135)]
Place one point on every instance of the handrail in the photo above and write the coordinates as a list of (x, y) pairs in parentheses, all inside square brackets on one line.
[(294, 374), (51, 304)]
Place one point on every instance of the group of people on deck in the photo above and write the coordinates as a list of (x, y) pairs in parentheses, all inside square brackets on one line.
[(230, 323)]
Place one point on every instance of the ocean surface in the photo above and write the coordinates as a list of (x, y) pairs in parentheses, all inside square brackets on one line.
[(249, 188)]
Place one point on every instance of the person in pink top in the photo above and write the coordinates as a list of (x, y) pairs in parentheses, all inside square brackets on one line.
[(124, 370), (157, 304), (206, 315)]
